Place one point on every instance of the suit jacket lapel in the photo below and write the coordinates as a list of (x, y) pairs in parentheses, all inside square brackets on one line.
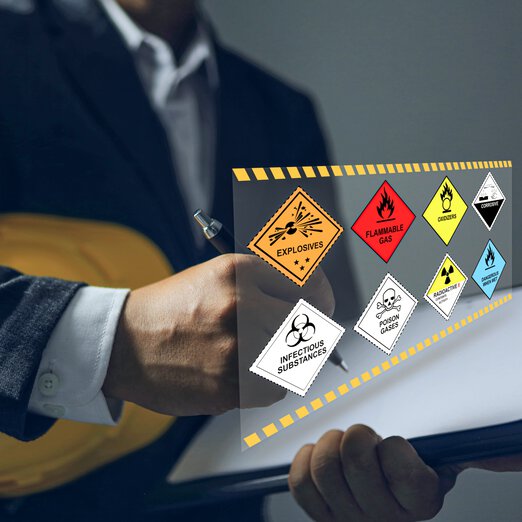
[(104, 74), (239, 140)]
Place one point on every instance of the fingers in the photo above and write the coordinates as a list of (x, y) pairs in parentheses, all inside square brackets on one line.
[(269, 312), (414, 484), (328, 476), (318, 292), (358, 477), (253, 272), (304, 489), (362, 469)]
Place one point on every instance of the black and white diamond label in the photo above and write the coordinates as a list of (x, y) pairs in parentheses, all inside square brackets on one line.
[(488, 202), (386, 314), (298, 350)]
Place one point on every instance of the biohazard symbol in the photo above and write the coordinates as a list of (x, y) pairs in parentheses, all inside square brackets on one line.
[(302, 330)]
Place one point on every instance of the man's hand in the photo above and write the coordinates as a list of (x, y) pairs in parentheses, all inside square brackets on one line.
[(356, 476), (176, 346)]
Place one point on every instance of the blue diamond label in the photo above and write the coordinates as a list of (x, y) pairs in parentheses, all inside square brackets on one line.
[(298, 350), (489, 269)]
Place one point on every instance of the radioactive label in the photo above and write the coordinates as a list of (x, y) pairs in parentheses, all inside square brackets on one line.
[(489, 269), (297, 237), (446, 286), (445, 211), (384, 222), (386, 315), (489, 201), (298, 350)]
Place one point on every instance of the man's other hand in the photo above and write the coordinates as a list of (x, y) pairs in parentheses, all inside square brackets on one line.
[(176, 346), (356, 476)]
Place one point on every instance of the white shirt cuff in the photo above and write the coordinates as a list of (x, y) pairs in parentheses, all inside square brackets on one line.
[(75, 361)]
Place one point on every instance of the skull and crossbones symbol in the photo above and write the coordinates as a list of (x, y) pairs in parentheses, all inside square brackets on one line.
[(389, 300)]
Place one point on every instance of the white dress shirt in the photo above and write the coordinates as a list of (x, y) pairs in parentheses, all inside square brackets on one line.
[(75, 361)]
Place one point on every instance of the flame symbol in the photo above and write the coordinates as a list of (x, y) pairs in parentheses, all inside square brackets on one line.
[(446, 192), (490, 258), (386, 203)]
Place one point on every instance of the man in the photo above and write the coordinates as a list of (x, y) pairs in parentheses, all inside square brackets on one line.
[(103, 120), (130, 112)]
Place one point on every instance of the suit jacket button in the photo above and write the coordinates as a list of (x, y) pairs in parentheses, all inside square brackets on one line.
[(48, 384)]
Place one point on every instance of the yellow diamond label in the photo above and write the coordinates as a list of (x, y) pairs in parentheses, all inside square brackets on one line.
[(446, 286), (297, 237), (445, 211)]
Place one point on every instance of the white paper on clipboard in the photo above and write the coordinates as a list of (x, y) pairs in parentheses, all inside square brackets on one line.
[(467, 380)]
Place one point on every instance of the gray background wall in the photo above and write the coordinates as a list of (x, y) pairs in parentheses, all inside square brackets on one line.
[(401, 80)]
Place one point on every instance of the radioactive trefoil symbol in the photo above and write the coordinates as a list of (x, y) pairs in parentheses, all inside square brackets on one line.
[(446, 273)]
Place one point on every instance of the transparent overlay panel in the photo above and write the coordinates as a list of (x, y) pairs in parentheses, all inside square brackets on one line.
[(440, 375)]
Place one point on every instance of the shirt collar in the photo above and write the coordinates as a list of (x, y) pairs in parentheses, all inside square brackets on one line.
[(200, 50)]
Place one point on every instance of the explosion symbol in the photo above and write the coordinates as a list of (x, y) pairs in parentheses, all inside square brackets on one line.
[(304, 222)]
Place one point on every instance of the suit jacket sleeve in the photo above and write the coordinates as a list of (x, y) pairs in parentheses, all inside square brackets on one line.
[(29, 310)]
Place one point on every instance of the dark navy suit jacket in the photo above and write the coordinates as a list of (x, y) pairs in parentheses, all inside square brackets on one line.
[(79, 138)]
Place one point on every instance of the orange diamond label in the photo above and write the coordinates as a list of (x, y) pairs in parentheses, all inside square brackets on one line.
[(297, 237)]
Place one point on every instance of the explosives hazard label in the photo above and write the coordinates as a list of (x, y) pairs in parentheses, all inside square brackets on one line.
[(488, 202), (386, 314), (445, 211), (297, 237), (384, 222), (489, 269), (298, 350), (446, 286)]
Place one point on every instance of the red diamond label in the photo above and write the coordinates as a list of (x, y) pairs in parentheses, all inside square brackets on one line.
[(384, 222)]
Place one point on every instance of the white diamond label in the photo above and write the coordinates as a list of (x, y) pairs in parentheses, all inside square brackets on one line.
[(386, 314), (298, 350)]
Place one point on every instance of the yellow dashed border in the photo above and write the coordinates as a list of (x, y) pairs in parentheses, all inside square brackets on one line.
[(323, 171), (284, 422)]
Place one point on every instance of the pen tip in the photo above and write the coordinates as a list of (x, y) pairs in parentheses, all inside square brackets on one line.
[(344, 366)]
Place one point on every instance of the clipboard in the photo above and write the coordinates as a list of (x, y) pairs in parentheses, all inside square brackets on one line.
[(435, 450), (215, 469)]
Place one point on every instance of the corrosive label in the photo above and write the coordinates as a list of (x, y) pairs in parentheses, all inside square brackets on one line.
[(297, 237), (298, 350), (446, 286), (386, 314), (445, 211), (489, 201), (384, 222)]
